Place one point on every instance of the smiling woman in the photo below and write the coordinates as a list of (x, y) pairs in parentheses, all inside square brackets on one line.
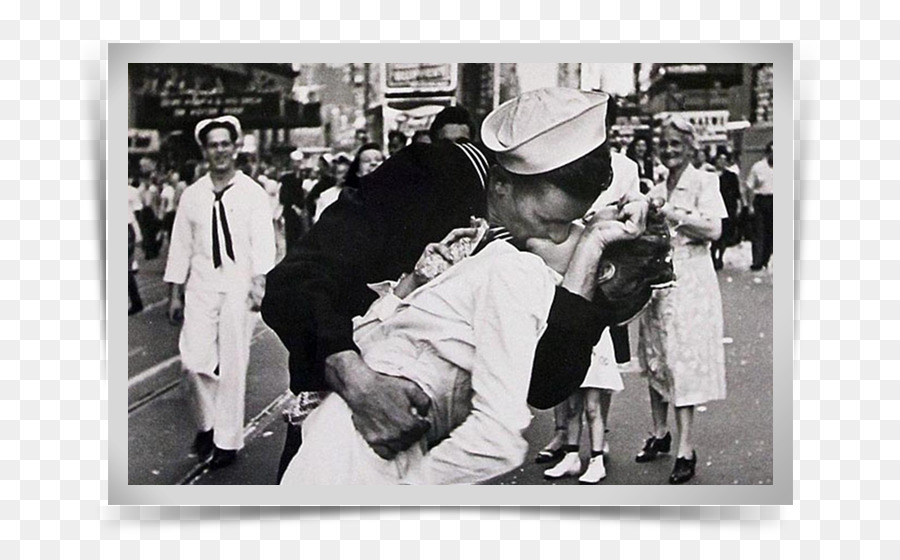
[(680, 343)]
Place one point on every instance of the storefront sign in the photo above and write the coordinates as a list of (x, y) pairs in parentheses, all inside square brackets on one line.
[(181, 110), (419, 78), (683, 69)]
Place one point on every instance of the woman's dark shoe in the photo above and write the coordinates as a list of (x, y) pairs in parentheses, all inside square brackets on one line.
[(549, 456), (653, 446), (684, 469)]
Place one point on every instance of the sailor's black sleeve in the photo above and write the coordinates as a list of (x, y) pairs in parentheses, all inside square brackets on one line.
[(563, 354), (369, 234), (309, 299)]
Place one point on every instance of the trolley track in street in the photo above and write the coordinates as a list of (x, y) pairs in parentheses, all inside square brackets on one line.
[(162, 366), (252, 430)]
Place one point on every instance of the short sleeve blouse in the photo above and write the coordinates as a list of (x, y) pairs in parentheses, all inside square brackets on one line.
[(697, 192)]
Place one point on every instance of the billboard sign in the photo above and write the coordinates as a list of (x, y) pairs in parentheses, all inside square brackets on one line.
[(402, 78)]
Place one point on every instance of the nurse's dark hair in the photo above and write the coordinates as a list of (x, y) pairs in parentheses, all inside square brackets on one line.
[(585, 178)]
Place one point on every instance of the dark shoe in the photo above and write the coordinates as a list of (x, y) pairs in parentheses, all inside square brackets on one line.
[(549, 456), (222, 458), (203, 445), (684, 469), (653, 446), (756, 267), (135, 309)]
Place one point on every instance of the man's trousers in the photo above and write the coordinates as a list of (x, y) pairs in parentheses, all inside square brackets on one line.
[(215, 352), (763, 240)]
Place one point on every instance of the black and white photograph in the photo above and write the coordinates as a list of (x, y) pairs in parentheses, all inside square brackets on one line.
[(532, 274)]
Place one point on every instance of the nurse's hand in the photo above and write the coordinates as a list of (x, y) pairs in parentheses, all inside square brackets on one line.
[(633, 210), (389, 412), (627, 220)]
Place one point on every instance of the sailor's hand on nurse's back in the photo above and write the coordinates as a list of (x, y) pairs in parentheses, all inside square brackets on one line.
[(392, 418), (389, 412)]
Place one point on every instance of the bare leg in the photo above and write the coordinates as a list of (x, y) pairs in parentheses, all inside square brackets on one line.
[(684, 417), (560, 437), (596, 418), (575, 405), (605, 401), (570, 464), (596, 407), (659, 409)]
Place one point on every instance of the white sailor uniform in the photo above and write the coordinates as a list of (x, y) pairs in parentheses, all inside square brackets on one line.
[(220, 241)]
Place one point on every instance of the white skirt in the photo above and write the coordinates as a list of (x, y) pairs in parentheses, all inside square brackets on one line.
[(603, 372), (334, 453)]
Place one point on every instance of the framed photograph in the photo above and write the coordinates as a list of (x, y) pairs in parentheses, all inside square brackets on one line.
[(307, 324)]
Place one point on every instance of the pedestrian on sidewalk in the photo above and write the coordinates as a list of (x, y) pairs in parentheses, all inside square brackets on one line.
[(452, 124), (368, 158), (148, 218), (168, 198), (223, 244), (680, 342), (292, 198), (758, 198), (639, 152), (135, 304), (396, 141), (730, 190)]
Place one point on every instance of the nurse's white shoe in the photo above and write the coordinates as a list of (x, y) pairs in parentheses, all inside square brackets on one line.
[(570, 465), (595, 472)]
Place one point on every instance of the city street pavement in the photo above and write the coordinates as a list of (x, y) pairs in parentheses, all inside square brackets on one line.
[(733, 437)]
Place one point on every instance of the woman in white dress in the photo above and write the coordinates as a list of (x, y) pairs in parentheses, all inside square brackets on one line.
[(680, 341)]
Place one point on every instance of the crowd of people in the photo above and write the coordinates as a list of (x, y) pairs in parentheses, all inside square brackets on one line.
[(298, 192), (408, 377)]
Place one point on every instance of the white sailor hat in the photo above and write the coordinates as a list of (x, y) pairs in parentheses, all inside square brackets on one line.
[(297, 155), (206, 125), (544, 129)]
